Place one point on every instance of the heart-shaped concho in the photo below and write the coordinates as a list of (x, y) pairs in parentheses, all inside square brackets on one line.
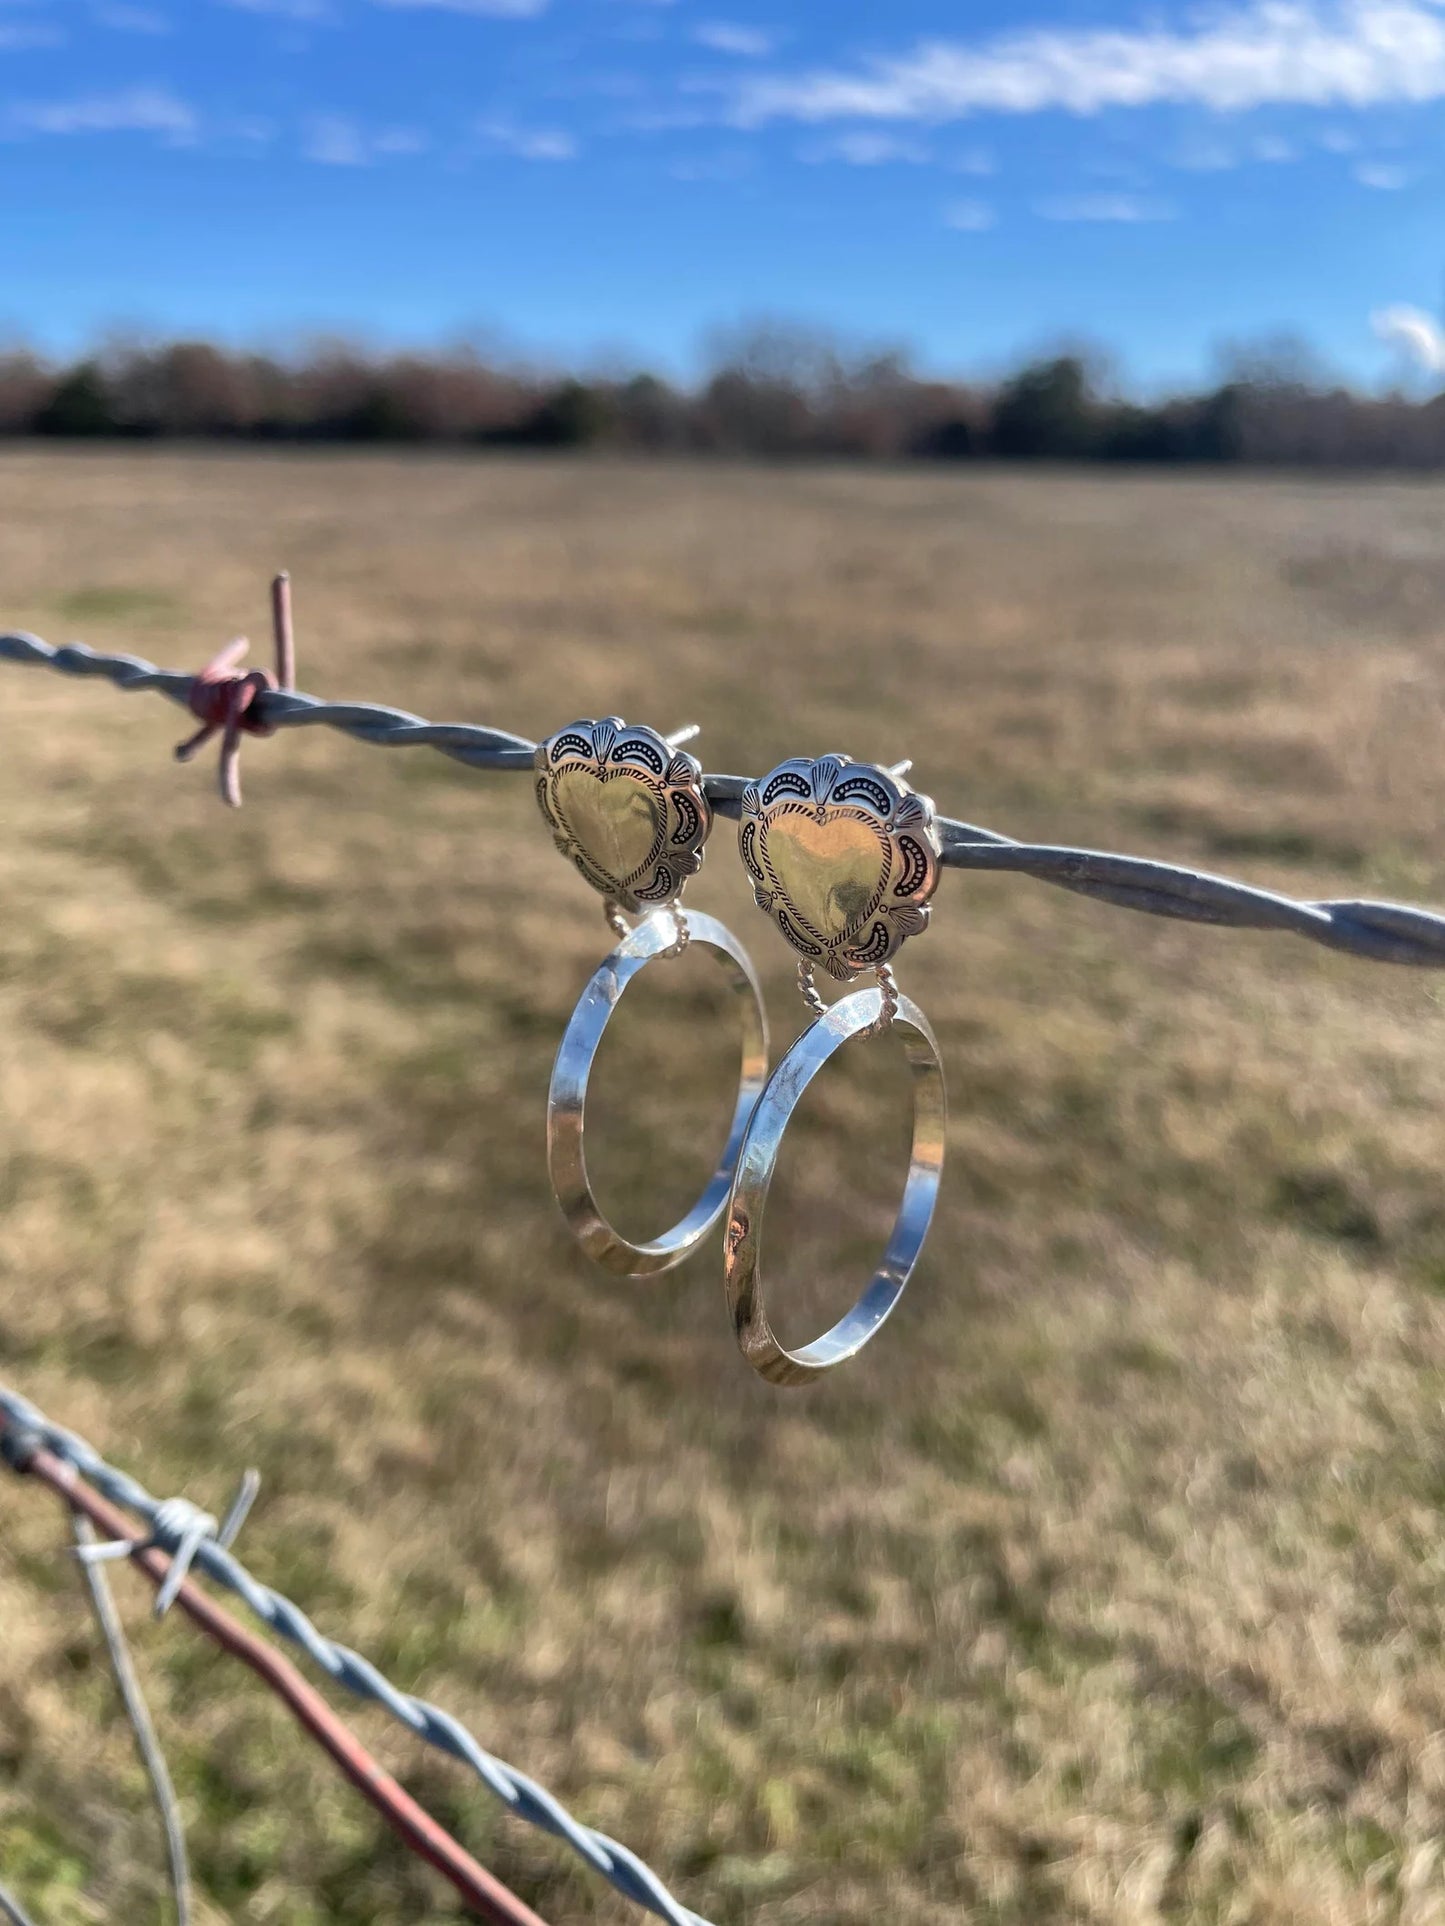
[(628, 809), (843, 857)]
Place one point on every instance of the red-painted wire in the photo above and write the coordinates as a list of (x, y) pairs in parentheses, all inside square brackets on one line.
[(486, 1896)]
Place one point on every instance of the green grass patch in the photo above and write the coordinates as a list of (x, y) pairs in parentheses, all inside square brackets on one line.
[(98, 603)]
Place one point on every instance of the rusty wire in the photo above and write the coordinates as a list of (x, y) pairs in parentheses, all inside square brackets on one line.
[(26, 1448), (165, 1525)]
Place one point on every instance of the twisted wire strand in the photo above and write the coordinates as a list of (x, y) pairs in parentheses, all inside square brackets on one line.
[(1377, 931), (485, 1896), (1380, 932), (11, 1909), (371, 722), (522, 1796), (808, 990), (142, 1726)]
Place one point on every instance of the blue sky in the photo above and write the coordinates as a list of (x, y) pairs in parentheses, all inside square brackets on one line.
[(606, 180)]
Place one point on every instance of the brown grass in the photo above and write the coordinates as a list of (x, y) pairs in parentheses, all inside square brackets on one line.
[(1107, 1586)]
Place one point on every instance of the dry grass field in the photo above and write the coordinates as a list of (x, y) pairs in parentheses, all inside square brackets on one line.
[(1109, 1585)]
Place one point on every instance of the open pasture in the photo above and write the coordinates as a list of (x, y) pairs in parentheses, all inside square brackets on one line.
[(1108, 1586)]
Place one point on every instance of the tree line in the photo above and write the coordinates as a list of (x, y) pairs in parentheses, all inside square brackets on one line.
[(769, 391)]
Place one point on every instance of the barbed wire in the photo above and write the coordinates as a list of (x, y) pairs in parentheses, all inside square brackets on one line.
[(24, 1450), (137, 1712), (11, 1909), (1373, 930), (521, 1795), (1381, 932)]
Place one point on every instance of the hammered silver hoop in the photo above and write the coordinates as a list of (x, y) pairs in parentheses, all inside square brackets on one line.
[(757, 1161), (654, 937)]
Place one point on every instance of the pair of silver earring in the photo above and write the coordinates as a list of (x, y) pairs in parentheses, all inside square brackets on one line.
[(844, 857)]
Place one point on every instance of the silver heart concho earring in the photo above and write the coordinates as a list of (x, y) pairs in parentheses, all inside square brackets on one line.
[(628, 808), (844, 857)]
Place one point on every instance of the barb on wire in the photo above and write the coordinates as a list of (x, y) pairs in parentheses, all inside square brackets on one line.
[(179, 1528), (282, 631), (522, 1796), (226, 700), (138, 1713), (24, 1448), (1380, 932)]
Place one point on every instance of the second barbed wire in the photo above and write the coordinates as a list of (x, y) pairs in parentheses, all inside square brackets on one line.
[(523, 1796)]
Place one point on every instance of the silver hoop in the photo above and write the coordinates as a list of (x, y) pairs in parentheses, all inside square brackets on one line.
[(655, 936), (757, 1161)]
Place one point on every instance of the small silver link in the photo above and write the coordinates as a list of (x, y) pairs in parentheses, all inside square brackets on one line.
[(888, 991), (684, 934), (808, 990)]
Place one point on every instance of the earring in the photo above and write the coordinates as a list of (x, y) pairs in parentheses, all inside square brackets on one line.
[(844, 857), (627, 806)]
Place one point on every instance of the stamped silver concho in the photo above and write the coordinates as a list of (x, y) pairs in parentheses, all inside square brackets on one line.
[(630, 812), (843, 856), (625, 807)]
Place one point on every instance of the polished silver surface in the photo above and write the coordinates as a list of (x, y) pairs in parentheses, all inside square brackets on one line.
[(854, 1016), (626, 806), (566, 1101), (843, 856)]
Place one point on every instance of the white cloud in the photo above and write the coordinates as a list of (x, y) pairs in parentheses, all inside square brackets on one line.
[(313, 10), (1316, 53), (1205, 157), (16, 37), (726, 36), (336, 140), (1388, 177), (969, 217), (252, 130), (977, 161), (866, 148), (400, 141), (712, 168), (667, 120), (128, 19), (482, 9), (1127, 209), (1417, 333), (332, 140), (528, 143), (317, 10), (133, 110)]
